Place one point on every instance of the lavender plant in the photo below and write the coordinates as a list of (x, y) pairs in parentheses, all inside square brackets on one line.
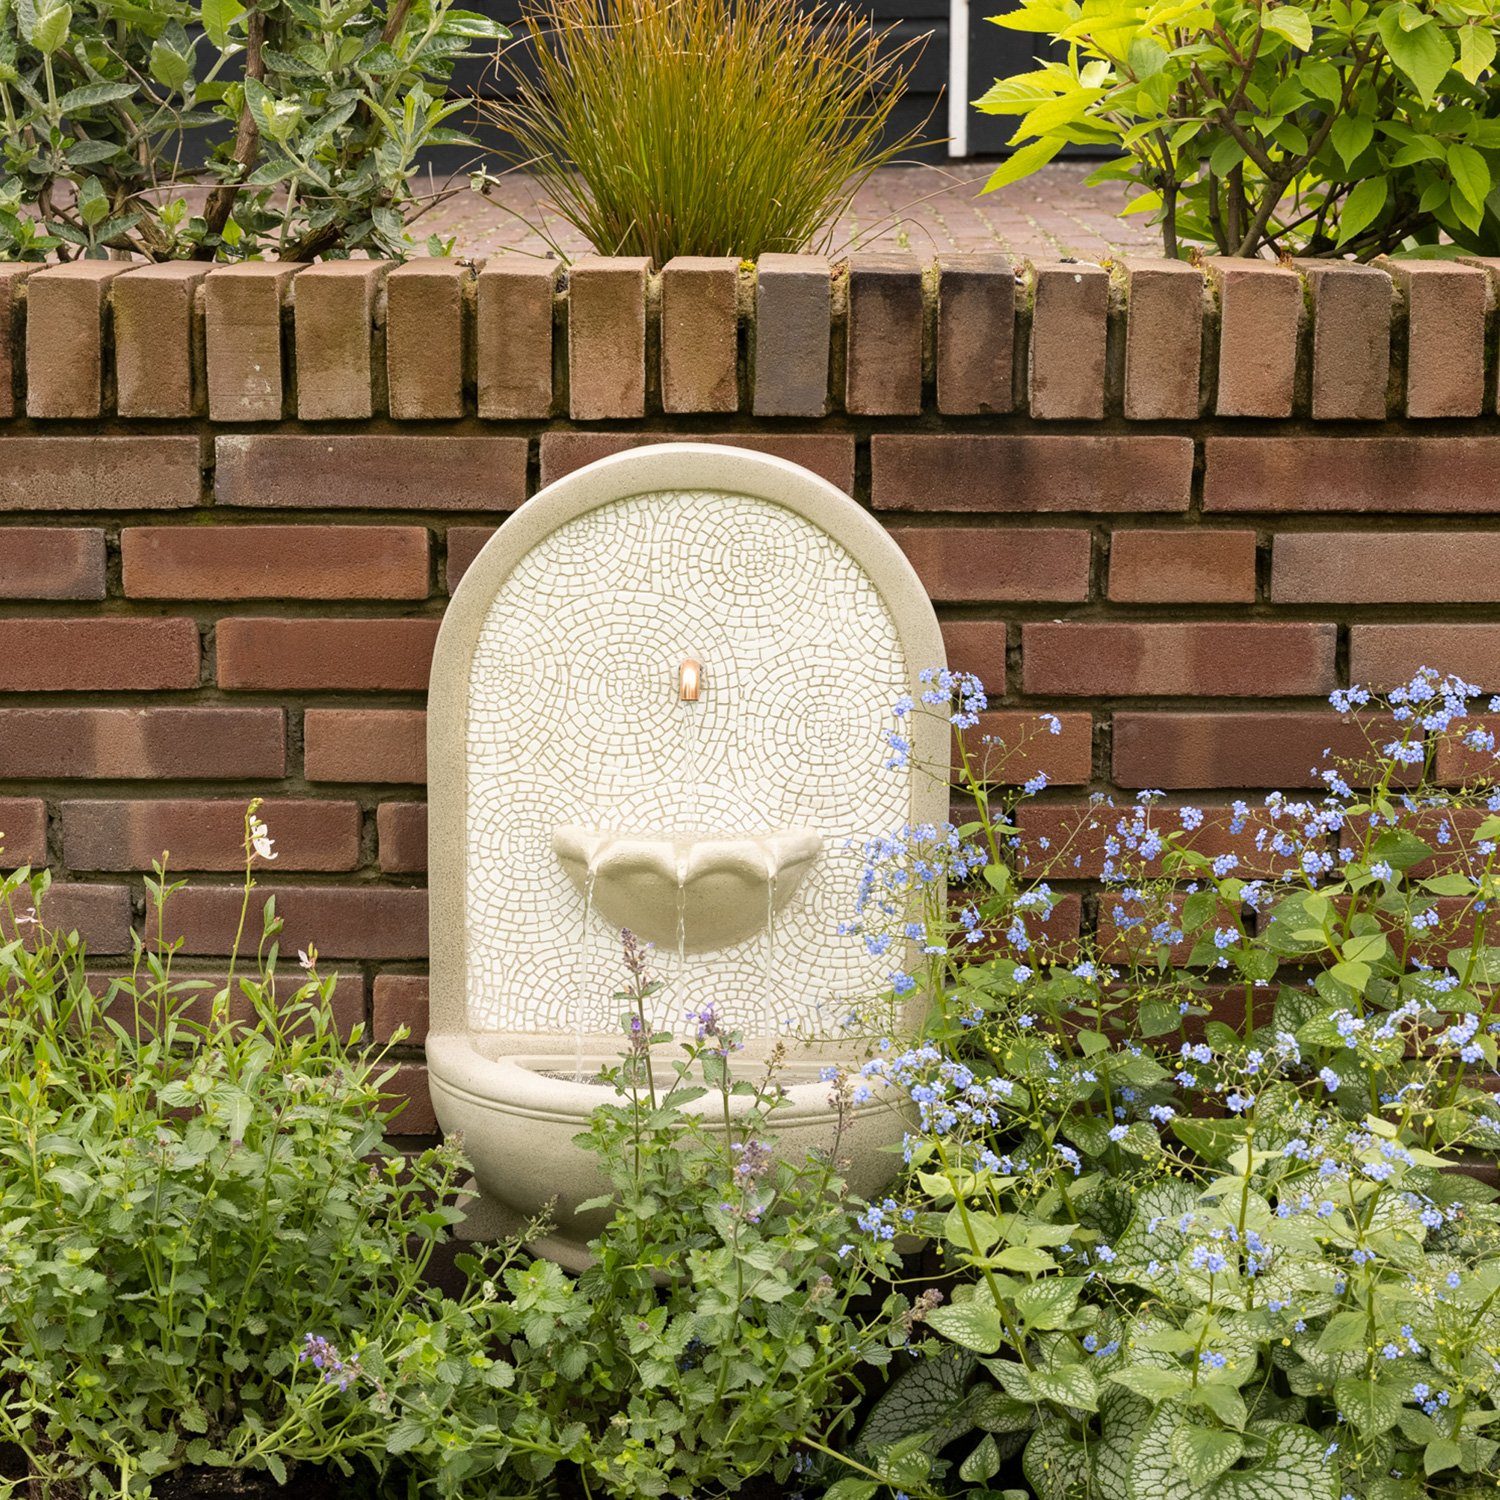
[(1204, 1181)]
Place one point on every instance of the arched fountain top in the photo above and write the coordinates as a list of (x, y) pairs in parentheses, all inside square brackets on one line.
[(668, 472)]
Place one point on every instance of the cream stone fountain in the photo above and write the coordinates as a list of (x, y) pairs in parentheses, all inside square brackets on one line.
[(657, 702)]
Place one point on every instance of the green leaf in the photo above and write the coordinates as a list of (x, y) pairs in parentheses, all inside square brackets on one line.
[(928, 1397), (983, 1463), (404, 1436), (1471, 173), (1424, 53), (973, 1325), (50, 29), (1350, 135), (1023, 162), (1203, 1453), (218, 16), (1068, 1385), (1373, 1406), (1291, 22), (1441, 1453), (1049, 1303), (93, 94), (1361, 207), (852, 1488), (1345, 1330), (1476, 50)]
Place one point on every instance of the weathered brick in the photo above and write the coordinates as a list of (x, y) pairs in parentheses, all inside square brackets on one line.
[(207, 834), (333, 307), (310, 654), (1182, 567), (161, 744), (464, 544), (99, 914), (607, 337), (1447, 475), (156, 338), (23, 832), (829, 454), (400, 1001), (424, 338), (1260, 317), (976, 326), (51, 562), (793, 319), (13, 276), (383, 746), (1259, 749), (1260, 659), (416, 1116), (1386, 567), (271, 562), (48, 655), (101, 473), (1351, 363), (883, 364), (1014, 744), (1069, 326), (1445, 315), (513, 337), (977, 646), (1163, 339), (374, 472), (957, 472), (971, 564), (361, 922), (401, 832), (1389, 655), (700, 334), (65, 307), (242, 306)]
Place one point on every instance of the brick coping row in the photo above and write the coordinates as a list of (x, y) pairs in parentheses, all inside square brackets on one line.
[(878, 335)]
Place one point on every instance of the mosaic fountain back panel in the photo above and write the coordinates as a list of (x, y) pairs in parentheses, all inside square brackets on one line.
[(574, 717)]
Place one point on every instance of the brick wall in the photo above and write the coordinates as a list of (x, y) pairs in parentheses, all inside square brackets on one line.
[(1175, 504)]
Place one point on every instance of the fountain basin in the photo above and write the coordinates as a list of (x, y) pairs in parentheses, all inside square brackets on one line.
[(695, 894), (519, 1118)]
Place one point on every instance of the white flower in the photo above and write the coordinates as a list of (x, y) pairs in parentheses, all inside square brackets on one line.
[(307, 957), (260, 840)]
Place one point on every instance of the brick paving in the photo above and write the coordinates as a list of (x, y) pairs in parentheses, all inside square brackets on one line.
[(929, 210)]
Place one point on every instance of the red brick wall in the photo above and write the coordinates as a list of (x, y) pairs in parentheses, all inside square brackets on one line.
[(1175, 504)]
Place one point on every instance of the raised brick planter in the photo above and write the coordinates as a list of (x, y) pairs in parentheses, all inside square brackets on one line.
[(1175, 504)]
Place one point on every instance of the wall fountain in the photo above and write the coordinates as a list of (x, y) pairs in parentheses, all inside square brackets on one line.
[(657, 701)]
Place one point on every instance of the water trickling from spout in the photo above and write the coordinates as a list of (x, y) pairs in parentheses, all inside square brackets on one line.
[(768, 993), (584, 977), (682, 995)]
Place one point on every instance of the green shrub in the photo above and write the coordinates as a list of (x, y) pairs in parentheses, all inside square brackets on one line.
[(307, 120), (702, 127), (1196, 1178), (1330, 127)]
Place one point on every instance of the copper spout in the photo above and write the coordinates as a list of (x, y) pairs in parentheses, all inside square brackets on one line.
[(690, 680)]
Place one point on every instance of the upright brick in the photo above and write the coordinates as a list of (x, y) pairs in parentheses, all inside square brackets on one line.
[(1163, 339), (357, 922), (1069, 329), (976, 324), (1386, 567), (1351, 362), (1200, 566), (1252, 749), (310, 654), (462, 544), (607, 337), (1260, 659), (978, 647), (1405, 475), (1260, 318), (101, 473), (1389, 655), (400, 1003), (51, 562), (401, 834), (883, 363), (700, 334), (65, 310), (381, 746), (158, 340), (793, 322), (207, 834), (208, 743), (242, 307), (1445, 317), (275, 562), (23, 832), (334, 313), (995, 472), (13, 276), (296, 471), (513, 337), (424, 339), (829, 454), (106, 654), (971, 564)]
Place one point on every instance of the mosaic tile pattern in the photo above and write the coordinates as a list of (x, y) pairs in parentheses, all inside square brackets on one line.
[(574, 717)]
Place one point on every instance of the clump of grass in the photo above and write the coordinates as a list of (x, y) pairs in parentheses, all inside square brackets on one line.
[(702, 127)]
